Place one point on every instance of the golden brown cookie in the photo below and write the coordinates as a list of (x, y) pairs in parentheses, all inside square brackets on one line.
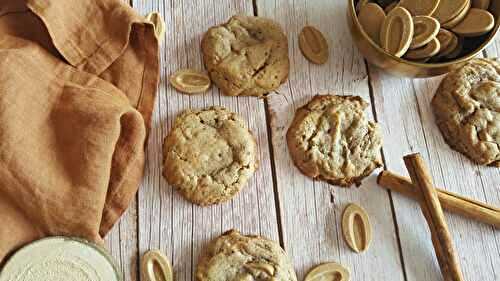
[(247, 56), (467, 110), (234, 257), (331, 139), (209, 155)]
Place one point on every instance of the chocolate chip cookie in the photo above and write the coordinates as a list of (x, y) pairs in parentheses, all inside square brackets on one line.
[(330, 139), (467, 110), (235, 257), (209, 155), (247, 56)]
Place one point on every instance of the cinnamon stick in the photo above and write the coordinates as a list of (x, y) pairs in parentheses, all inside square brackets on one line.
[(451, 202), (431, 208)]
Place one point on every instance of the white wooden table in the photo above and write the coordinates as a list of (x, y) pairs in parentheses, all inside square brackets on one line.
[(279, 202)]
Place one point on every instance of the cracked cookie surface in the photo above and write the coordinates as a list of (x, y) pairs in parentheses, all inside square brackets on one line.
[(330, 139), (247, 56), (236, 257), (466, 107), (209, 155)]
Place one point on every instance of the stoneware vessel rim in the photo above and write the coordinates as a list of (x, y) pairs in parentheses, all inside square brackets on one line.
[(95, 246), (491, 36)]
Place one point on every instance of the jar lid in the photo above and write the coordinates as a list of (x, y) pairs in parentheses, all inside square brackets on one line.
[(60, 258)]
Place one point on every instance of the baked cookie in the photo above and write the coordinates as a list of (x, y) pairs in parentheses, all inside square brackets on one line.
[(247, 56), (330, 139), (467, 110), (236, 257), (209, 155)]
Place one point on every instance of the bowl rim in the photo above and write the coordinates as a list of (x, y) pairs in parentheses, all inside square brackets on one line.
[(352, 11), (100, 249)]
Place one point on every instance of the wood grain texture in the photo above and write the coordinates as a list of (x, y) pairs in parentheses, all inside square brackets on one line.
[(166, 221), (403, 109), (122, 243), (308, 213), (490, 178), (311, 211)]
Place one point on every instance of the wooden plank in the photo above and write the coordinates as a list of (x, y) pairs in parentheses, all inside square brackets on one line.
[(493, 49), (311, 211), (490, 178), (122, 243), (166, 220), (403, 109)]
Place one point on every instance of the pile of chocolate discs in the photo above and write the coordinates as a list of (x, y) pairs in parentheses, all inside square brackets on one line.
[(426, 30)]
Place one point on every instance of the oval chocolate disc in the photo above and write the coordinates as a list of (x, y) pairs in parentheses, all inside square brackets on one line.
[(424, 30), (453, 22), (427, 51), (477, 22), (449, 9), (420, 7), (371, 16), (397, 32)]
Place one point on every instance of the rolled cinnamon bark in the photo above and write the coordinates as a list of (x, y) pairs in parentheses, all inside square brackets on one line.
[(451, 202), (431, 208)]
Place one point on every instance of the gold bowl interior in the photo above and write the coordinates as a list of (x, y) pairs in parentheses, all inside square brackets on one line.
[(401, 67)]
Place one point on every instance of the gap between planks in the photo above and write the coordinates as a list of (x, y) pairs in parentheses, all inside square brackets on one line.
[(302, 200), (271, 154), (389, 193), (185, 29), (273, 167)]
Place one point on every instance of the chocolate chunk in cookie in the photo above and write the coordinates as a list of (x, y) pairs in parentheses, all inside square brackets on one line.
[(247, 56), (209, 155), (467, 110), (235, 257), (330, 139)]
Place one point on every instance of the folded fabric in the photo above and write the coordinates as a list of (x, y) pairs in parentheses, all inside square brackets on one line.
[(77, 86)]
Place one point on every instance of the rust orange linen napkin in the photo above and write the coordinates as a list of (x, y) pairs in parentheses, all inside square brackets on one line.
[(77, 86)]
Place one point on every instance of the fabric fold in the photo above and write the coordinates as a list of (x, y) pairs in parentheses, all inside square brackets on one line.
[(77, 87)]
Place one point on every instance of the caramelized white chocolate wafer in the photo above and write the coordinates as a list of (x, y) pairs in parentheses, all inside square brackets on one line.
[(425, 28), (155, 266), (476, 22), (449, 9), (452, 45), (156, 19), (313, 45), (427, 51), (327, 272), (445, 37), (190, 81), (481, 4), (458, 50), (420, 7), (360, 4), (356, 228), (391, 6), (460, 17), (371, 16), (397, 32)]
